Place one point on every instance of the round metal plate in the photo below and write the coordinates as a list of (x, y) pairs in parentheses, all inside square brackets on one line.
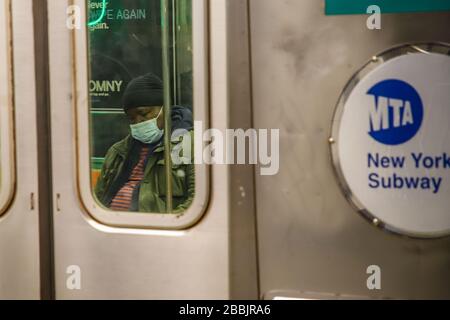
[(374, 63)]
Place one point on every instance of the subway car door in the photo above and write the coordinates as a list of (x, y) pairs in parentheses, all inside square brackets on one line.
[(20, 256), (128, 221), (313, 242)]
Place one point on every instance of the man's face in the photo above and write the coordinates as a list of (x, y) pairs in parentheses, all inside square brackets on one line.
[(142, 114)]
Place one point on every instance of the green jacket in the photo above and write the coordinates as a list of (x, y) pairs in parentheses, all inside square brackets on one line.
[(123, 156)]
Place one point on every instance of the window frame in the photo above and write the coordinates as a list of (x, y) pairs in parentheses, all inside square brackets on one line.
[(7, 149), (81, 104)]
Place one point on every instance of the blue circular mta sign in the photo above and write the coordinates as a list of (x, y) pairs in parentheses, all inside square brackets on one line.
[(396, 112)]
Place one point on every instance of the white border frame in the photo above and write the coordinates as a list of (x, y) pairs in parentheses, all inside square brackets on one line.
[(375, 62), (7, 159), (82, 134)]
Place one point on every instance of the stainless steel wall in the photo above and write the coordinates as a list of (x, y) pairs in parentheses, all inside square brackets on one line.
[(310, 238), (19, 226)]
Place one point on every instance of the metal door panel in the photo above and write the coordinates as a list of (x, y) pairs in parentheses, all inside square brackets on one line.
[(19, 234), (310, 238), (133, 263)]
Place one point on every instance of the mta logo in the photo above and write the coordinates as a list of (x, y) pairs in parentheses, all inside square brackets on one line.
[(396, 113)]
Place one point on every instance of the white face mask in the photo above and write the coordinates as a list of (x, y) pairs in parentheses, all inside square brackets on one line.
[(147, 132)]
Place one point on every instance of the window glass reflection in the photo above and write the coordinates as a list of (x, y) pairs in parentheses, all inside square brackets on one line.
[(127, 104)]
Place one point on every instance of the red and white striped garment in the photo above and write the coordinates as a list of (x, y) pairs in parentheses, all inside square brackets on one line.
[(122, 200)]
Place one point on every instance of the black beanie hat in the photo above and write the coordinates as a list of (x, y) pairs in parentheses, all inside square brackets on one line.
[(144, 91)]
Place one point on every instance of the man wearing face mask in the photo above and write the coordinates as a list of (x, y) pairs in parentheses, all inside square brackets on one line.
[(133, 176)]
